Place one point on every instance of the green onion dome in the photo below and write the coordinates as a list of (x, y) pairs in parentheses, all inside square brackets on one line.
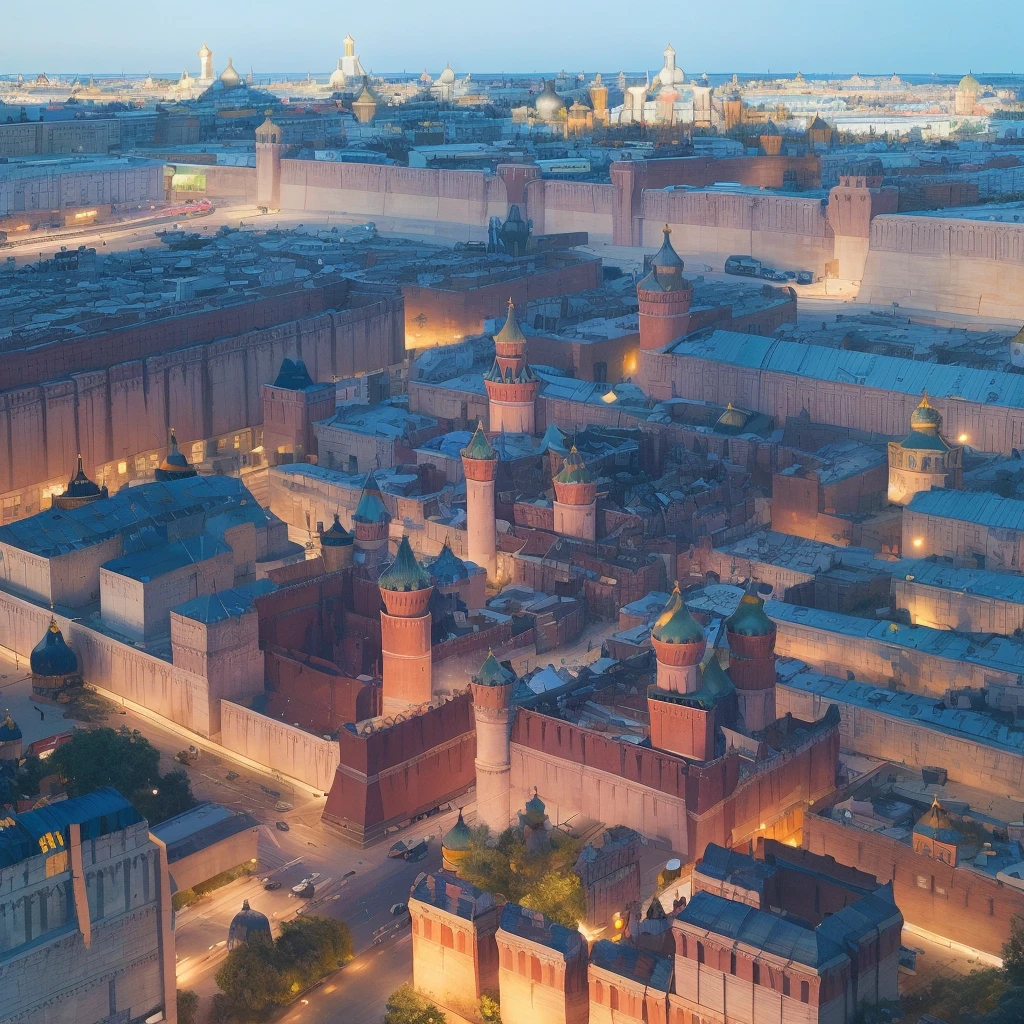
[(457, 837), (405, 573), (574, 470), (750, 619), (675, 625)]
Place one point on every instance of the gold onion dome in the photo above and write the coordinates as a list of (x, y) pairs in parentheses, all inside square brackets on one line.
[(574, 469), (926, 416), (675, 625)]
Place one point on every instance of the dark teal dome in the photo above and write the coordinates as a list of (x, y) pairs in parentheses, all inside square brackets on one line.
[(448, 567), (405, 573), (458, 836), (80, 486), (9, 730), (337, 536), (52, 656), (493, 673), (536, 814), (574, 470), (750, 618), (675, 625), (246, 925)]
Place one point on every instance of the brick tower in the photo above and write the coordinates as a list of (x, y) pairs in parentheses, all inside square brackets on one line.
[(751, 637), (479, 461), (336, 545), (511, 384), (665, 297), (492, 709), (682, 702), (575, 499), (269, 152), (405, 589), (371, 522)]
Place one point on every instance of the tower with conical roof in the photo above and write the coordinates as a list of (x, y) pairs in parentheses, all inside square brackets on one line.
[(174, 465), (269, 153), (684, 701), (664, 296), (405, 589), (575, 504), (924, 458), (79, 491), (370, 523), (336, 545), (364, 106), (511, 384), (479, 462), (53, 663), (492, 690), (751, 636)]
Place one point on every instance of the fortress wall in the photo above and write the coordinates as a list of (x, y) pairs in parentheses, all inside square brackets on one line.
[(282, 748), (122, 671), (201, 390), (992, 428), (225, 182), (784, 231), (424, 200), (890, 737), (945, 264), (572, 206)]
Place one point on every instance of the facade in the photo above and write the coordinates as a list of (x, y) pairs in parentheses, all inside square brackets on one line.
[(87, 905)]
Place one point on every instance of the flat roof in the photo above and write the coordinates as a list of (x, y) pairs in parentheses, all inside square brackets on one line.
[(980, 507), (201, 826), (1004, 654), (924, 711), (845, 366)]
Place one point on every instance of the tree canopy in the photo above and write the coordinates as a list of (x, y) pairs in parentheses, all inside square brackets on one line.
[(543, 881), (126, 760), (406, 1006)]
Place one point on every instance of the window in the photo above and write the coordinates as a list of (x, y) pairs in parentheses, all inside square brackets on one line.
[(427, 928), (614, 993), (700, 952), (535, 974), (600, 373), (461, 942), (757, 973), (732, 963), (447, 938), (911, 462), (805, 992), (785, 984)]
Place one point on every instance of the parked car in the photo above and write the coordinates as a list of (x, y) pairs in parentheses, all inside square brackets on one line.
[(305, 889), (789, 275), (399, 908), (417, 852), (768, 273), (282, 826), (746, 266), (272, 886), (805, 277)]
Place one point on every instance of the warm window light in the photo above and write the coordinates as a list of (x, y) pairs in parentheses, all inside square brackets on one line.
[(963, 439), (918, 542), (609, 397)]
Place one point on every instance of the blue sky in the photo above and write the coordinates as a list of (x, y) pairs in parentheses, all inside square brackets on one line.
[(909, 36)]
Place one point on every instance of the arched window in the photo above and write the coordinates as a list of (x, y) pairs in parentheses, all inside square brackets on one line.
[(506, 958), (447, 938), (535, 968), (460, 942), (805, 992), (614, 994), (522, 962), (700, 952), (427, 928), (598, 992), (911, 462), (926, 463)]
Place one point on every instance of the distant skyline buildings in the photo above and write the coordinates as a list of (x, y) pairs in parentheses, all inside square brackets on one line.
[(747, 36)]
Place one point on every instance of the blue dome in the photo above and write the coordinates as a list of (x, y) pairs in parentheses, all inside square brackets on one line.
[(52, 656), (246, 925), (448, 567), (9, 729)]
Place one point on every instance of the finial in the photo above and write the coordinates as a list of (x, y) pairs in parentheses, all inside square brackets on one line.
[(667, 230), (675, 589)]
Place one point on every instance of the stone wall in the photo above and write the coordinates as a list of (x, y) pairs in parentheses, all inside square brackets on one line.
[(119, 394), (891, 737), (962, 904), (947, 264), (280, 747), (451, 203)]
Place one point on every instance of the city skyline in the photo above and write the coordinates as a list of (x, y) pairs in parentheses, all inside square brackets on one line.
[(908, 39)]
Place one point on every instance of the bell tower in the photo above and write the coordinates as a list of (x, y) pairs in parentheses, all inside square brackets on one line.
[(269, 152)]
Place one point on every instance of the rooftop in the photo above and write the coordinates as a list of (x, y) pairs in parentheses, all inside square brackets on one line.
[(980, 507), (202, 826)]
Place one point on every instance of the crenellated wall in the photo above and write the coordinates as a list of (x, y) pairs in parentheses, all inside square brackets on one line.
[(948, 264)]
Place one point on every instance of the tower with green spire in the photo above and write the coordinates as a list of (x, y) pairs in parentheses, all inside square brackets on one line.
[(405, 590), (479, 462), (492, 689)]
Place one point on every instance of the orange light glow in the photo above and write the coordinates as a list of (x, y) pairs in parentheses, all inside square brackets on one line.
[(918, 542)]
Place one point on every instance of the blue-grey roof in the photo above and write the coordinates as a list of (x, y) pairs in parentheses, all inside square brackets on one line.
[(1005, 654), (58, 531), (202, 826), (761, 929), (853, 922), (979, 507), (925, 711), (887, 373), (1000, 586), (535, 926), (453, 895), (152, 561), (724, 864), (98, 814), (637, 965), (225, 604)]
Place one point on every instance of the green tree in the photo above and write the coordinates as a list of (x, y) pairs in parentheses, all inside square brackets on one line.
[(252, 979), (31, 773), (406, 1006), (312, 947), (489, 1010), (956, 997), (1013, 952), (126, 760), (543, 881), (1010, 1009), (188, 1005)]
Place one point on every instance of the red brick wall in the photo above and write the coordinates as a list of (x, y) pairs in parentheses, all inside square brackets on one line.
[(959, 903)]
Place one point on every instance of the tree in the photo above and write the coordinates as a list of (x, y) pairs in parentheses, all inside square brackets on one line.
[(952, 995), (406, 1006), (1010, 1009), (251, 978), (543, 881), (1013, 952), (489, 1010), (312, 947), (126, 760), (188, 1004)]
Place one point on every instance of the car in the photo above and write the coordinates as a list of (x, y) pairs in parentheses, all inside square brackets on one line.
[(271, 886), (745, 266), (789, 275), (768, 273), (397, 849), (417, 851), (305, 889), (282, 826), (805, 277), (399, 908)]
